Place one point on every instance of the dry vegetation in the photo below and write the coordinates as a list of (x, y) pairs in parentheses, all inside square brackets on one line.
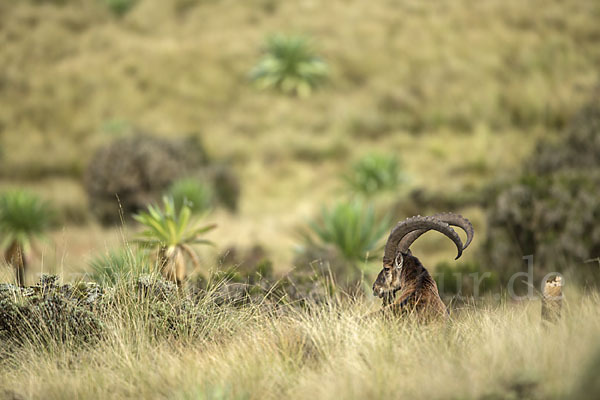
[(438, 79), (459, 91), (485, 352)]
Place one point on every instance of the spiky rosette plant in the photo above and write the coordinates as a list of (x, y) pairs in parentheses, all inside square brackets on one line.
[(119, 264), (352, 229), (290, 65), (23, 218), (172, 232)]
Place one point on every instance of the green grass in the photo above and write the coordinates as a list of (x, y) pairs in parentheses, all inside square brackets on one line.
[(490, 351), (119, 264), (194, 193), (375, 173)]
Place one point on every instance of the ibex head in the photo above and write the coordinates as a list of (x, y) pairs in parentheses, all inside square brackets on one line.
[(388, 280), (403, 235)]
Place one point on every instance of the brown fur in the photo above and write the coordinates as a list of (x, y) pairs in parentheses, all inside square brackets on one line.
[(407, 287)]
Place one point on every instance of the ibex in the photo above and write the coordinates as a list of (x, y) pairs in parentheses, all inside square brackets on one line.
[(404, 284)]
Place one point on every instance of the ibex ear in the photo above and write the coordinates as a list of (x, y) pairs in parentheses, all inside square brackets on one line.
[(398, 261)]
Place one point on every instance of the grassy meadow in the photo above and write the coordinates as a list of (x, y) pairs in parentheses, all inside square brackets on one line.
[(458, 93), (486, 352)]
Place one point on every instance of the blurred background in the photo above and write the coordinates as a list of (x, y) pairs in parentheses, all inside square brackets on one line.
[(305, 130)]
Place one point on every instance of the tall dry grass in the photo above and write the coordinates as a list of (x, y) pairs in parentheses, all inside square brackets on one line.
[(491, 351)]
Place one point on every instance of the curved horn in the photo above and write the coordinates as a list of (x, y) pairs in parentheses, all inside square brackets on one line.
[(450, 219), (418, 223)]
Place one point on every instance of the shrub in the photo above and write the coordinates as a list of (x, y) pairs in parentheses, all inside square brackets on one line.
[(118, 265), (302, 288), (156, 308), (551, 211), (351, 228), (299, 288), (553, 218), (49, 313), (324, 258), (249, 265), (191, 192), (578, 147), (460, 280), (137, 170), (375, 173), (290, 65), (226, 186)]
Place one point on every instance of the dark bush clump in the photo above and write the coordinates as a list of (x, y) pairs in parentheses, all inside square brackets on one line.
[(552, 210), (323, 258), (226, 186), (156, 307), (137, 170), (463, 280), (297, 289), (246, 277), (155, 289), (165, 310), (303, 288), (250, 265), (578, 149), (49, 313)]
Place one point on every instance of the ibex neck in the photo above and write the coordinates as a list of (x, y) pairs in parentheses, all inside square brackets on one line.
[(413, 271)]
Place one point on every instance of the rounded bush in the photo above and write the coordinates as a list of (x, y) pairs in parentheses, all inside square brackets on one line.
[(137, 170), (552, 211), (48, 314)]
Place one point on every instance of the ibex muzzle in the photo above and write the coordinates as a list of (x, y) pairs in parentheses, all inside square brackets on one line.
[(388, 281)]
